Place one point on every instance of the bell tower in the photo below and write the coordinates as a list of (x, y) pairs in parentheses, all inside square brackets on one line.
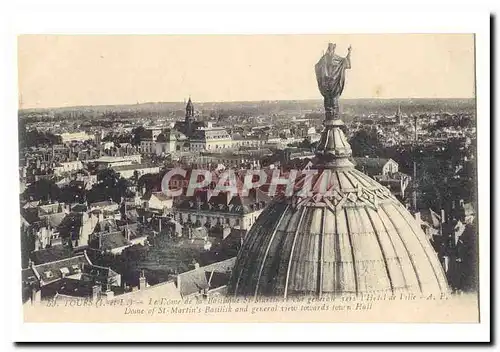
[(189, 111)]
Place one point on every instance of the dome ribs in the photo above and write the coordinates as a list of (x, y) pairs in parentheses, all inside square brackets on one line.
[(434, 264), (421, 258), (263, 260), (320, 253), (274, 264), (382, 250), (399, 231), (292, 251), (354, 269), (249, 253)]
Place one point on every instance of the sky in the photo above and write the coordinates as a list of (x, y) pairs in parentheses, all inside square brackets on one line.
[(72, 70)]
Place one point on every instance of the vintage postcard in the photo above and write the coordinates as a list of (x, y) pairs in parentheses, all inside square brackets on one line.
[(248, 178)]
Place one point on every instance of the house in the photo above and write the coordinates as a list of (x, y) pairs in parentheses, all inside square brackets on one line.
[(115, 242), (396, 182), (105, 162), (163, 290), (51, 254), (68, 167), (40, 225), (157, 201), (50, 279), (107, 205), (129, 171), (76, 228), (207, 280), (386, 172), (376, 166), (237, 211), (463, 211)]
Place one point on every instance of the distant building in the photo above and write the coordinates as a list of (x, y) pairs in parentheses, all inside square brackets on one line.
[(189, 125), (68, 167), (211, 139), (129, 171), (114, 242), (157, 202), (160, 142), (238, 211), (386, 172), (76, 137), (376, 166), (105, 162)]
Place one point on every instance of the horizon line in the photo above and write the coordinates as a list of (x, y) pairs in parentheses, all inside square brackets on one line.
[(231, 101)]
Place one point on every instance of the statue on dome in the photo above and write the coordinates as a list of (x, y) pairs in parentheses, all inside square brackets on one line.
[(330, 74)]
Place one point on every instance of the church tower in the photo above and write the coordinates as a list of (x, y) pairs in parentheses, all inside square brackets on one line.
[(189, 119), (399, 115), (189, 111)]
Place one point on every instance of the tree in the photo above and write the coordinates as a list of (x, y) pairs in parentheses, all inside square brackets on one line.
[(44, 190), (72, 194), (109, 186), (366, 143), (137, 135), (150, 181)]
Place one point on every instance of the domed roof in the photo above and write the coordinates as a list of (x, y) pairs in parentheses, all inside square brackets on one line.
[(340, 232), (359, 239), (348, 235)]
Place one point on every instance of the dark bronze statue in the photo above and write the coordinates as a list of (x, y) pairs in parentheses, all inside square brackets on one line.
[(330, 74)]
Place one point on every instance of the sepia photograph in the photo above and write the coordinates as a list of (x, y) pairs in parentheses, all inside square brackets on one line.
[(248, 178)]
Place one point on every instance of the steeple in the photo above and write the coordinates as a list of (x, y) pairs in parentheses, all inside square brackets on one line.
[(399, 115), (189, 110)]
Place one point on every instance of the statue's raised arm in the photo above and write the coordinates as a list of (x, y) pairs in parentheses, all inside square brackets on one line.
[(330, 74), (348, 57)]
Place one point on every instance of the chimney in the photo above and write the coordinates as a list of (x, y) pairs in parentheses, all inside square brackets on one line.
[(96, 291), (417, 217), (109, 295), (36, 295), (179, 282), (142, 281), (225, 231), (446, 263)]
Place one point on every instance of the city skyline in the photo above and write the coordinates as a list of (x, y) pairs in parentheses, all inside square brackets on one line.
[(65, 71)]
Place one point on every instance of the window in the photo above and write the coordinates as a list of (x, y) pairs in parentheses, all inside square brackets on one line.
[(48, 274)]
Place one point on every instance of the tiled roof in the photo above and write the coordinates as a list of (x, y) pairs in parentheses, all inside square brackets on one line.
[(27, 275), (196, 280), (193, 281), (371, 162), (69, 287), (30, 215), (56, 219), (113, 240), (105, 203), (53, 271), (165, 289), (51, 254), (161, 196)]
